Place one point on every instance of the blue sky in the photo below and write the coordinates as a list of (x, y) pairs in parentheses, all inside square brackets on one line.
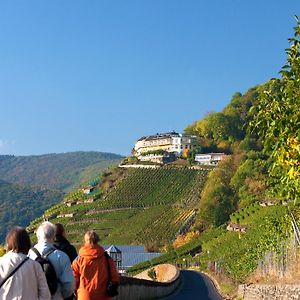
[(97, 75)]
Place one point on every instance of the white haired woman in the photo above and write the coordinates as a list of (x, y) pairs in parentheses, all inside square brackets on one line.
[(60, 261)]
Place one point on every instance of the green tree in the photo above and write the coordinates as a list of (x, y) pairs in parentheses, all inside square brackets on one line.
[(249, 181), (192, 153), (217, 198), (276, 119)]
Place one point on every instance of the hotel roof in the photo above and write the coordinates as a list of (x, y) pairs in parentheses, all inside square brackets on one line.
[(132, 254), (160, 136)]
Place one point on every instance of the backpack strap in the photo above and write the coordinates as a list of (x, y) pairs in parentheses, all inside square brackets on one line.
[(13, 271), (49, 252), (36, 251), (107, 257)]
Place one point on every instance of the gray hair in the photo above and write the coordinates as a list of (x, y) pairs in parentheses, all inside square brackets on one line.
[(46, 232)]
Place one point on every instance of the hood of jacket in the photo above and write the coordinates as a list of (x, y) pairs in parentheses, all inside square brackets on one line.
[(61, 242), (91, 252)]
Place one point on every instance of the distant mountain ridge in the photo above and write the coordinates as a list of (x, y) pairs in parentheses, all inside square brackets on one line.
[(31, 184), (19, 205), (62, 171)]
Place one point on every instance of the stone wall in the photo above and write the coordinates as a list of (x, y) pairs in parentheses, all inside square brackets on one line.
[(269, 292), (140, 289)]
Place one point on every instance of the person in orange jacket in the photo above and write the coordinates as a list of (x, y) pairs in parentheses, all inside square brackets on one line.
[(91, 270)]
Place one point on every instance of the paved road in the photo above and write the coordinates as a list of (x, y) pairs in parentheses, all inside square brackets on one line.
[(196, 286)]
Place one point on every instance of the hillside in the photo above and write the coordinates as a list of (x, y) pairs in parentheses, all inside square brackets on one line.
[(244, 213), (55, 171), (249, 212), (154, 205), (19, 205)]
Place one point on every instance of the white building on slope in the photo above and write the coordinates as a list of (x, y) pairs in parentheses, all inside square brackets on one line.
[(209, 158)]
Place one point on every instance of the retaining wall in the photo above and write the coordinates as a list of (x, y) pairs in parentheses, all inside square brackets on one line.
[(269, 292), (140, 166), (141, 289)]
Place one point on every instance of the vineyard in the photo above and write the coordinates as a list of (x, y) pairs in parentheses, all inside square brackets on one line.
[(157, 187), (154, 205), (236, 255)]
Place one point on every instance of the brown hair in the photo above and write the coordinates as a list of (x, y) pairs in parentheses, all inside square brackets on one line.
[(60, 230), (18, 240), (91, 237)]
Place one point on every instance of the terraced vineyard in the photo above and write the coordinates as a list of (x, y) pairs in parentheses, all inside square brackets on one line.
[(146, 206), (156, 187)]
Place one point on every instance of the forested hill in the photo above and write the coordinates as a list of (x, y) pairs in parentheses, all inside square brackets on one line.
[(19, 205), (55, 171)]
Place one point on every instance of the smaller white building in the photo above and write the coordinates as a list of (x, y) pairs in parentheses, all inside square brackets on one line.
[(209, 158), (87, 189)]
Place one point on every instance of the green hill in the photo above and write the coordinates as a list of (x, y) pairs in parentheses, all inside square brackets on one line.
[(19, 205), (154, 205), (55, 171)]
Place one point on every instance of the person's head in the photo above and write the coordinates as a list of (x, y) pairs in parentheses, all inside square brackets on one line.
[(60, 230), (46, 232), (17, 240), (91, 238)]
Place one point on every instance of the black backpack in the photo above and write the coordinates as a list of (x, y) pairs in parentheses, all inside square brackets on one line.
[(48, 269)]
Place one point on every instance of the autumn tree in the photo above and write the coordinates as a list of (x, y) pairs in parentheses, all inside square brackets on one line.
[(276, 119)]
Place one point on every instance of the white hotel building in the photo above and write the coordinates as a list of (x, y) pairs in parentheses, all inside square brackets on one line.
[(170, 142)]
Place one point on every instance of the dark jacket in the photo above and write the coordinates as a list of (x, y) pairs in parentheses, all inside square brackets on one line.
[(64, 245)]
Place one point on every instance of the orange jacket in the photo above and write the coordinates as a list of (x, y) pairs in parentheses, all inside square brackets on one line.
[(91, 274)]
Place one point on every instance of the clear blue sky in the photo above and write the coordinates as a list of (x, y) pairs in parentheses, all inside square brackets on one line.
[(96, 75)]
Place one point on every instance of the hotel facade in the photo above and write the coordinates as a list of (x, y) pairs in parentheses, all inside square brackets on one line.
[(169, 142)]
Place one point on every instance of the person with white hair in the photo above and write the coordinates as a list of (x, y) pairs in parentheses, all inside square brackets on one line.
[(58, 259)]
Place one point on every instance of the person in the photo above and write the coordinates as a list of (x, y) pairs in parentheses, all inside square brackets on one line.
[(91, 270), (28, 281), (60, 261), (62, 243)]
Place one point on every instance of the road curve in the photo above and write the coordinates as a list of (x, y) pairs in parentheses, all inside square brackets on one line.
[(195, 286)]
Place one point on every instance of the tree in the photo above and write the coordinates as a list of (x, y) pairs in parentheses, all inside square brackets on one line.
[(249, 181), (217, 198), (192, 153), (277, 121)]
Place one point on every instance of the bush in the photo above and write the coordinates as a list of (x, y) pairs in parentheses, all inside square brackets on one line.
[(152, 274)]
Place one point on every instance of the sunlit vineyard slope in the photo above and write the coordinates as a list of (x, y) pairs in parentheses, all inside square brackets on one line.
[(148, 206)]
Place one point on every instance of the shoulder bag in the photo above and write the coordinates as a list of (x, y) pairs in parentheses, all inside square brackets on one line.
[(112, 288)]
